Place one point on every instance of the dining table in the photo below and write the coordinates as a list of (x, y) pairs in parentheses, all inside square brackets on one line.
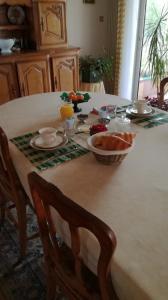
[(131, 197)]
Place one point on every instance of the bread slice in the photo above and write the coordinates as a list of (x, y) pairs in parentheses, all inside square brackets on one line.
[(115, 141)]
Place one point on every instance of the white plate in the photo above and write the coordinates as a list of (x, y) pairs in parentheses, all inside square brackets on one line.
[(16, 15), (35, 145), (133, 111), (83, 128)]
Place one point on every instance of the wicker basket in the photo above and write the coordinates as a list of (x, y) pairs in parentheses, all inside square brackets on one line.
[(105, 156)]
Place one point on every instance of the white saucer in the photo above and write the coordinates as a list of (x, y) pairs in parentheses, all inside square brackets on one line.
[(37, 143), (148, 111)]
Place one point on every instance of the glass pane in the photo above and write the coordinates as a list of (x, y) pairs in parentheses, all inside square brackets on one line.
[(156, 14)]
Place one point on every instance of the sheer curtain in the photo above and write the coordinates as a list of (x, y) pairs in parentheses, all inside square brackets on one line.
[(119, 42), (130, 24)]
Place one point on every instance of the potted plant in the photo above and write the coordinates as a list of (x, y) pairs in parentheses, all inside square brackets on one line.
[(95, 69), (156, 43)]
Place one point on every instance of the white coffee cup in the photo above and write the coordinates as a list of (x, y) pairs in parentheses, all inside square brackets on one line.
[(140, 105), (48, 134)]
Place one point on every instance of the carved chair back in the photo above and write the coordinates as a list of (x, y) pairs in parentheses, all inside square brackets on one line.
[(47, 197), (163, 83), (8, 177), (12, 194)]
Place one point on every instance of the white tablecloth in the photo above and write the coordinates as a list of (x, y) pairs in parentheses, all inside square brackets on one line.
[(132, 197)]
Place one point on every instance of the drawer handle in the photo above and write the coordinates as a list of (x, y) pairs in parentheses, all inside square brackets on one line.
[(55, 81), (42, 24), (23, 90)]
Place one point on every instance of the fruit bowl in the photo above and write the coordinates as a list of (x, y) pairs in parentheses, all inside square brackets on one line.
[(75, 98), (107, 157)]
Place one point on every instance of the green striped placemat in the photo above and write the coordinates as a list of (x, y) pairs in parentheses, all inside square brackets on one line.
[(158, 118), (43, 160)]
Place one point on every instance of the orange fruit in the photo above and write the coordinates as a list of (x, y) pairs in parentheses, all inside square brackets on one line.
[(80, 97), (74, 98), (71, 94)]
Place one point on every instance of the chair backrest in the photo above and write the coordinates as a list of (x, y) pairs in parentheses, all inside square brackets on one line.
[(162, 88), (13, 195), (9, 181), (46, 196)]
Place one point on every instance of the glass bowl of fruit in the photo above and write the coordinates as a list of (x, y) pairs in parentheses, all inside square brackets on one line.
[(75, 98)]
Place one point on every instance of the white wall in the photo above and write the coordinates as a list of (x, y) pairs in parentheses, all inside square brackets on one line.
[(84, 28), (92, 36)]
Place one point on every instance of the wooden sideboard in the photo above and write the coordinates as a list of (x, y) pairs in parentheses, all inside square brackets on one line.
[(35, 72), (46, 63)]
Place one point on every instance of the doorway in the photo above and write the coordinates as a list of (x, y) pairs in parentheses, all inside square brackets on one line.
[(131, 48), (146, 87)]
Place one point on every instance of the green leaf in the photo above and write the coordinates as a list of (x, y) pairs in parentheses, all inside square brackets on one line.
[(64, 96), (86, 97)]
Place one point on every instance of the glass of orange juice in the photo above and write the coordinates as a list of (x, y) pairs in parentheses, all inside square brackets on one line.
[(66, 111)]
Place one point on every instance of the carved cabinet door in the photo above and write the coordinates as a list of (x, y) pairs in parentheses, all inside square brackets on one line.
[(33, 77), (8, 84), (65, 72), (52, 20)]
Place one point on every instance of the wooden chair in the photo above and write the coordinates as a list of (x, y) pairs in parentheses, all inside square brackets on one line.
[(12, 195), (64, 266), (162, 87)]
